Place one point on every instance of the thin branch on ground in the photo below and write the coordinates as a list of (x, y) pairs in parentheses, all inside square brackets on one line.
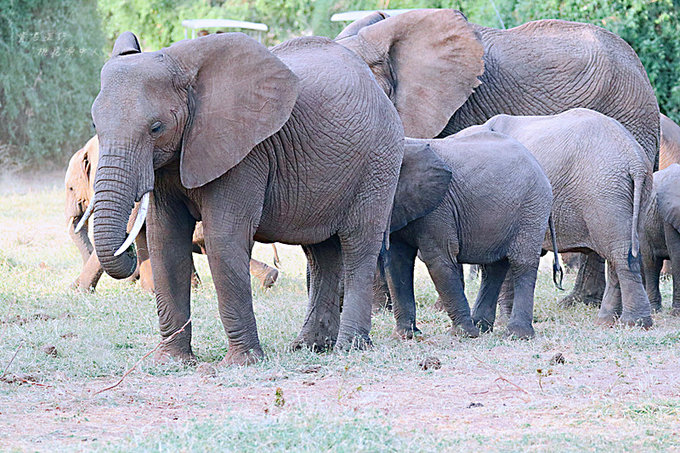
[(501, 377), (21, 343), (161, 343)]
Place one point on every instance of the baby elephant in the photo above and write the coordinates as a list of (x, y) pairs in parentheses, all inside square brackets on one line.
[(495, 213), (661, 237), (600, 178), (79, 193)]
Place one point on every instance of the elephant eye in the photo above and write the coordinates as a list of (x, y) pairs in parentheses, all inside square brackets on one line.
[(156, 127), (94, 127)]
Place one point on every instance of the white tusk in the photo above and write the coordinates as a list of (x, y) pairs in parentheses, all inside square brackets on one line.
[(85, 216), (139, 223)]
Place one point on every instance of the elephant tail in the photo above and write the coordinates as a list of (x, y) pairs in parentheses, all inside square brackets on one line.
[(634, 252), (558, 274)]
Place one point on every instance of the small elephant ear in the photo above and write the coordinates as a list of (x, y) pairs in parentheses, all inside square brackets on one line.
[(240, 94), (353, 28), (423, 182), (428, 62), (667, 186), (127, 43), (90, 163)]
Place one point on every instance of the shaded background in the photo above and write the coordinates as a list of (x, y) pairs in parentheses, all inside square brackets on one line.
[(51, 52)]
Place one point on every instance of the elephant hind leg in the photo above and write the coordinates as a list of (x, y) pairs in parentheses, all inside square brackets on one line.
[(520, 324), (360, 248), (320, 329), (399, 273), (493, 279), (589, 287)]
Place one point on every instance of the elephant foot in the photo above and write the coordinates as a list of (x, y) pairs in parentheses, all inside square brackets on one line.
[(315, 343), (574, 299), (349, 341), (656, 307), (520, 331), (268, 279), (640, 321), (467, 330), (265, 274), (406, 333), (483, 325), (167, 353), (439, 305), (242, 358), (605, 320), (675, 312)]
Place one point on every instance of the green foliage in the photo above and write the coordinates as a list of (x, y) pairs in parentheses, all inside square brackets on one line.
[(49, 79), (50, 55)]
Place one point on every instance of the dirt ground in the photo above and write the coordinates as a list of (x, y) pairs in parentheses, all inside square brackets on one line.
[(617, 388)]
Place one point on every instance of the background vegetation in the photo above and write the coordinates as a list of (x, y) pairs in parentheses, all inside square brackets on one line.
[(51, 52)]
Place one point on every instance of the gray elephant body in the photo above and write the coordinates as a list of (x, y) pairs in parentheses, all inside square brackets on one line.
[(543, 67), (661, 237), (296, 145), (600, 178), (495, 213)]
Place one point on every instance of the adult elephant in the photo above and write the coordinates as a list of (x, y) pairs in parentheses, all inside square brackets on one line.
[(297, 144), (539, 68), (79, 180)]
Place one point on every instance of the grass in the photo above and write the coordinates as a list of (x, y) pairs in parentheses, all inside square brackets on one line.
[(619, 388)]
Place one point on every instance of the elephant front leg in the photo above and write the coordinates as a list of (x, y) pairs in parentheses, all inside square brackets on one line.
[(229, 258), (673, 247), (399, 273), (652, 270), (590, 282), (324, 271), (169, 230), (89, 275)]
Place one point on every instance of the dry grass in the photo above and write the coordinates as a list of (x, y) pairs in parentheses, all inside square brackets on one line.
[(619, 388)]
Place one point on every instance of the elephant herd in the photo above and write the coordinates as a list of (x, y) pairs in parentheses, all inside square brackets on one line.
[(539, 138)]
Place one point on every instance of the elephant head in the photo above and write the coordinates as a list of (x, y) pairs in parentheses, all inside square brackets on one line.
[(423, 182), (430, 58), (202, 104), (79, 183)]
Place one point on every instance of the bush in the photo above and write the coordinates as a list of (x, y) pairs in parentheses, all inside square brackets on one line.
[(50, 55)]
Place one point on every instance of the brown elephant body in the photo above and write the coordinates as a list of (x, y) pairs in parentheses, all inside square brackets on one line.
[(79, 191)]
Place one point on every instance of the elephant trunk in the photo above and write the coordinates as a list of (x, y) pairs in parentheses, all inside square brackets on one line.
[(120, 181), (80, 239)]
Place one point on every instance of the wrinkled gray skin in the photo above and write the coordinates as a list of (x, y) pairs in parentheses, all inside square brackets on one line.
[(79, 190), (296, 145), (494, 213), (600, 178), (539, 68), (661, 237)]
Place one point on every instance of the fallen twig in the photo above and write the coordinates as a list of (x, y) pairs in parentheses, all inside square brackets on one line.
[(500, 377), (21, 343), (167, 340)]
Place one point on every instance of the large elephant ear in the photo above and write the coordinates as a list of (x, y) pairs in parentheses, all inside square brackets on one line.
[(240, 94), (667, 186), (423, 182), (427, 61), (353, 28)]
